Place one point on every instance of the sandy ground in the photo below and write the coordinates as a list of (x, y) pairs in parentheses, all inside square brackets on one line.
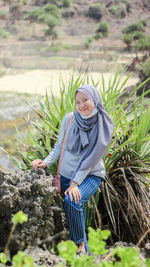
[(38, 81)]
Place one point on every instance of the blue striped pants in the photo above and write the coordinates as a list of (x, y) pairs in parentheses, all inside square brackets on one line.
[(75, 213)]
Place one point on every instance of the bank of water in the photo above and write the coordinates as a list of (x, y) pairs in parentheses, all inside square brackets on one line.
[(16, 110), (20, 90)]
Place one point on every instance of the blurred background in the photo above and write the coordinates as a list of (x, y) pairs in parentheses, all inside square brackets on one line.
[(42, 41)]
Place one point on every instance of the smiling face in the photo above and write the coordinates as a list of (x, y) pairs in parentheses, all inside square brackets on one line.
[(84, 105)]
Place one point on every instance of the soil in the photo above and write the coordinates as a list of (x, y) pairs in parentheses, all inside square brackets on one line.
[(26, 46)]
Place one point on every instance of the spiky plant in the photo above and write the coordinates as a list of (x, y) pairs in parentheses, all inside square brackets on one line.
[(123, 204), (125, 192)]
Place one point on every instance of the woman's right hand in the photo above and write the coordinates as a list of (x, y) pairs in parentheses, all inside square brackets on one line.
[(38, 163)]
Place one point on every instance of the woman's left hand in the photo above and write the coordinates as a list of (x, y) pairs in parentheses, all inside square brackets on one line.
[(73, 190)]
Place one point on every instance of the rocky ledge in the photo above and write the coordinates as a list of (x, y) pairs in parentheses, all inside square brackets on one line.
[(33, 193)]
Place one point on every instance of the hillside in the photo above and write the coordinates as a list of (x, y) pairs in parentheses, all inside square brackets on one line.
[(24, 45)]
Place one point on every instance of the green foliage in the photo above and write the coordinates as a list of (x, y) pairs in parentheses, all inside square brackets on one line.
[(148, 262), (136, 26), (21, 259), (57, 47), (96, 241), (33, 15), (50, 14), (67, 46), (119, 257), (24, 2), (20, 217), (67, 250), (3, 14), (52, 10), (144, 70), (50, 20), (66, 3), (53, 2), (117, 11), (88, 42), (4, 34), (3, 258), (127, 256), (143, 21), (103, 28), (96, 36), (128, 38), (143, 43), (135, 31)]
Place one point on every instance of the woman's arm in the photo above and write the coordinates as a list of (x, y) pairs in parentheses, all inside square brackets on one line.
[(55, 153)]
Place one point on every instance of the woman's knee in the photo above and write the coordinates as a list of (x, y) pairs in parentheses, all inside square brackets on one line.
[(67, 201)]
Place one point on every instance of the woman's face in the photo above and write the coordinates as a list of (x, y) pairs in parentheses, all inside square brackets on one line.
[(84, 105)]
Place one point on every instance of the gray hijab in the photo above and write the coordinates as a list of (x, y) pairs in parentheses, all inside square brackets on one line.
[(90, 138)]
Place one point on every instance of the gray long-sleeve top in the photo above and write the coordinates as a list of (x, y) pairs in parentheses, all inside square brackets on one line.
[(69, 160)]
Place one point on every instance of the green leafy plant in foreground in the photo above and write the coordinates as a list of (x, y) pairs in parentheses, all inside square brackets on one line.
[(118, 257), (21, 259)]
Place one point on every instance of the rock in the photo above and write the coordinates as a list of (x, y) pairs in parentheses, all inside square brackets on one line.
[(68, 13), (147, 250), (42, 257), (33, 193)]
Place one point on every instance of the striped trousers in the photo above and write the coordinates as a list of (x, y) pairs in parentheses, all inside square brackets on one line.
[(75, 213)]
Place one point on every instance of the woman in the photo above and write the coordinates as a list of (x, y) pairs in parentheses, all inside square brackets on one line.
[(82, 168)]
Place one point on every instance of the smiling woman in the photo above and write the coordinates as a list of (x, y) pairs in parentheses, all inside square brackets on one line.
[(84, 105), (82, 169)]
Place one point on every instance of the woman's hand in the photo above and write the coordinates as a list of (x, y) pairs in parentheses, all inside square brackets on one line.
[(38, 163), (73, 190)]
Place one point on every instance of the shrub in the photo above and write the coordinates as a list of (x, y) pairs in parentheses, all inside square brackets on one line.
[(53, 2), (86, 44), (128, 38), (118, 11), (96, 36), (34, 14), (24, 2), (136, 26), (95, 12), (138, 35), (144, 70), (66, 3), (67, 46), (103, 28), (143, 43), (143, 21), (3, 14), (53, 10), (4, 34), (55, 47), (128, 6)]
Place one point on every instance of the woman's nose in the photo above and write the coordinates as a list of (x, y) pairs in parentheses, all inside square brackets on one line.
[(82, 104)]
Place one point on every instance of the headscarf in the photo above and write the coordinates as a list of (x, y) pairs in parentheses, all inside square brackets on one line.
[(90, 138)]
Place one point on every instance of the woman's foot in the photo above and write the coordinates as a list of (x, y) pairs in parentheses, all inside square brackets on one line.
[(81, 248)]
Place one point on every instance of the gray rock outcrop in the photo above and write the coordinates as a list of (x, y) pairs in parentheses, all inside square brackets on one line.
[(34, 195)]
